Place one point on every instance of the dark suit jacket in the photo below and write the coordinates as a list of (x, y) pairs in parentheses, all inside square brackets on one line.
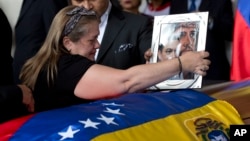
[(32, 27), (6, 77), (221, 13), (126, 38), (11, 105), (10, 95)]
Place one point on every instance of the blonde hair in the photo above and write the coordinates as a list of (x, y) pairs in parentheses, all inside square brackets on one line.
[(50, 52)]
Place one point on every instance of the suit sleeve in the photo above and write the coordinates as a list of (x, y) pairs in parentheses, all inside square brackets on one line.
[(10, 94), (51, 7), (145, 38)]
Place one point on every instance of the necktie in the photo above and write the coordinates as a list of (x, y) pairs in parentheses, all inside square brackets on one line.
[(192, 6)]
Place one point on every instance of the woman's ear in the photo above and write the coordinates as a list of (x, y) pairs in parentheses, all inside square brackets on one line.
[(67, 43)]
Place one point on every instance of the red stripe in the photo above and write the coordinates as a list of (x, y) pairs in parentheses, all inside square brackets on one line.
[(241, 48), (11, 127)]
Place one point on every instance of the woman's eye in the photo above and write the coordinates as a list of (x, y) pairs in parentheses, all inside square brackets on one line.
[(78, 1)]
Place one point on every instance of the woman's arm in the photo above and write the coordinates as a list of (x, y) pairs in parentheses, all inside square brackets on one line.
[(103, 82)]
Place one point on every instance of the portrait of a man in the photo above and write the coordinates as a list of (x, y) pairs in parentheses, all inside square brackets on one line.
[(173, 35), (176, 39)]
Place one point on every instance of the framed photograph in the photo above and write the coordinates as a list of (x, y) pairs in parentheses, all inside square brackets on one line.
[(174, 35)]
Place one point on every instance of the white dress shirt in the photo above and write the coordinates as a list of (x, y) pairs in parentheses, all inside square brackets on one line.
[(102, 26), (197, 4)]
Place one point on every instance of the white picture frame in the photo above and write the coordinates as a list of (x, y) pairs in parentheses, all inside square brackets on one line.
[(170, 32)]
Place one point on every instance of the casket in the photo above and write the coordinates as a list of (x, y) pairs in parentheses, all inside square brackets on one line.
[(180, 115)]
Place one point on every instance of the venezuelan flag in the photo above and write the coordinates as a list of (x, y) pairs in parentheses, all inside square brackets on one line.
[(181, 115), (240, 68)]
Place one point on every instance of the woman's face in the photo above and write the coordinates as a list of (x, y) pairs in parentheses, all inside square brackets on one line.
[(88, 43), (130, 4)]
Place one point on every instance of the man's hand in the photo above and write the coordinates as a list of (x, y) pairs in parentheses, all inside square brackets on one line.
[(28, 99)]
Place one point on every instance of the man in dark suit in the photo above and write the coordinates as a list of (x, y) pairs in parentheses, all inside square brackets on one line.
[(13, 98), (15, 101), (6, 77), (220, 29), (31, 29), (124, 37)]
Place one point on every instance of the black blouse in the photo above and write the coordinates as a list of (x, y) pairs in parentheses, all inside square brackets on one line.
[(71, 68)]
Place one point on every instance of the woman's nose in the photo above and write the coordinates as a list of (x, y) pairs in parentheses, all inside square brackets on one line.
[(97, 45)]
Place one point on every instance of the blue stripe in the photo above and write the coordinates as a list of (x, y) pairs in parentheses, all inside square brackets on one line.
[(138, 109), (244, 9)]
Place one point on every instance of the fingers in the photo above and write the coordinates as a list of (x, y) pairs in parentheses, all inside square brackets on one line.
[(202, 69), (205, 62), (28, 99), (31, 106), (204, 54), (147, 55), (203, 66), (30, 103), (200, 72)]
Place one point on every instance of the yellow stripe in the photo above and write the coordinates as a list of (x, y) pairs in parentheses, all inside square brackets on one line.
[(178, 127)]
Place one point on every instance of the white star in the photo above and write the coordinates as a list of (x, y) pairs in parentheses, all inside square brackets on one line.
[(89, 123), (113, 104), (68, 134), (117, 111), (108, 120)]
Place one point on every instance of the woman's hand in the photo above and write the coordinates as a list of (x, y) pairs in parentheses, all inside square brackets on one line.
[(195, 62)]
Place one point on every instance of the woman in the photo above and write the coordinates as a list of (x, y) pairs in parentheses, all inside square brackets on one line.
[(157, 7), (130, 5), (63, 72)]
